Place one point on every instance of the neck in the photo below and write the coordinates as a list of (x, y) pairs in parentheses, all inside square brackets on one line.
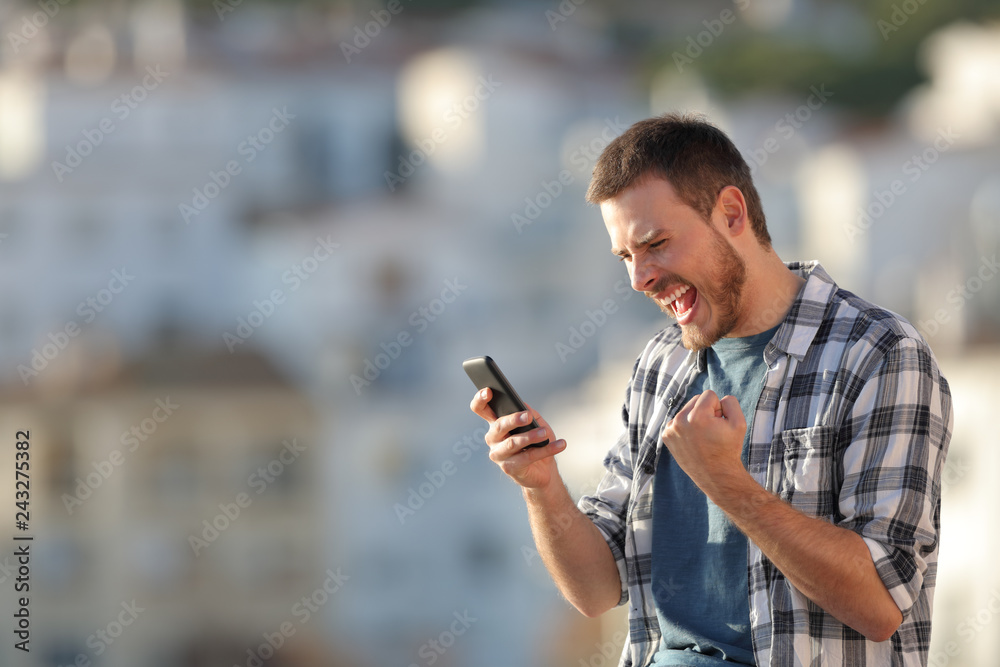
[(768, 294)]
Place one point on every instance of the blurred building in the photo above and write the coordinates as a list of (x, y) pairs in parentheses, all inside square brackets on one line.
[(185, 488)]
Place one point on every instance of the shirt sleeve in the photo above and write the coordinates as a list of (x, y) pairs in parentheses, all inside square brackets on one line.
[(607, 507), (897, 433)]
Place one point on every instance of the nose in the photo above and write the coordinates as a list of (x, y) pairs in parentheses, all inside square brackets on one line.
[(644, 274)]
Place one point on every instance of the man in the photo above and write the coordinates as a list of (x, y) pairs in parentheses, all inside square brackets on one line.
[(809, 537)]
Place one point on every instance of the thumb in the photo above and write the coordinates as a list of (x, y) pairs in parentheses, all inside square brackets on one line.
[(731, 411)]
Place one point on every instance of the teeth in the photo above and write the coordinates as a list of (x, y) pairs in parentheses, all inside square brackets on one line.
[(679, 292)]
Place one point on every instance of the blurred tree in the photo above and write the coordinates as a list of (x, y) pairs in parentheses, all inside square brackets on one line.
[(361, 6), (870, 61)]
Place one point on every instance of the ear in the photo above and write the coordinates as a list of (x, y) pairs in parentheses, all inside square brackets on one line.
[(734, 210)]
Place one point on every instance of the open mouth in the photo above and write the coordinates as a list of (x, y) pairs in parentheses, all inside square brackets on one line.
[(682, 301)]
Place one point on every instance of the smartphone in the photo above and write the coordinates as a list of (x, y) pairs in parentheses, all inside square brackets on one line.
[(484, 372)]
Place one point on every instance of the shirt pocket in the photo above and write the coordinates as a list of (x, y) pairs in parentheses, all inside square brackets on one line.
[(805, 470)]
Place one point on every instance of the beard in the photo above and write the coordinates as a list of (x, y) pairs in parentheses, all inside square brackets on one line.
[(724, 291)]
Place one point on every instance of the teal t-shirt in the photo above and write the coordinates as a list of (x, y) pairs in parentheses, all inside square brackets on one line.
[(699, 567)]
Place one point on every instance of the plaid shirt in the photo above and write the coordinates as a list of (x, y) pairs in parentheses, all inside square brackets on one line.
[(852, 426)]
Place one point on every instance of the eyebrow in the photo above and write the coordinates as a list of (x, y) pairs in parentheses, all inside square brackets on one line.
[(643, 241)]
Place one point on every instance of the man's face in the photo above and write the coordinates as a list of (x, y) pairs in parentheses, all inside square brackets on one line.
[(685, 265)]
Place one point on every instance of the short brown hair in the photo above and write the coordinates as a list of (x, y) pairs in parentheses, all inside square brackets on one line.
[(696, 157)]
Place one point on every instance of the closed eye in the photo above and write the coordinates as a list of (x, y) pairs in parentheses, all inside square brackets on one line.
[(624, 256)]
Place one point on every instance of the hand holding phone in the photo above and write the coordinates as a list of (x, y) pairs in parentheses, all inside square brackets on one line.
[(484, 372)]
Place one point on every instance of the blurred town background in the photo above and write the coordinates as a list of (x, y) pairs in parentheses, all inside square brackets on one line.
[(245, 246)]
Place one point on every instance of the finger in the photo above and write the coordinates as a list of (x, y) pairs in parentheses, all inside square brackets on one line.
[(689, 405), (731, 411), (684, 411), (706, 404), (502, 426), (668, 430), (481, 405), (549, 433), (708, 398), (515, 420), (511, 445), (521, 419), (525, 457), (518, 442)]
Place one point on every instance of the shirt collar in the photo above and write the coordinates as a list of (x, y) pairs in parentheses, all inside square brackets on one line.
[(802, 321), (804, 318)]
